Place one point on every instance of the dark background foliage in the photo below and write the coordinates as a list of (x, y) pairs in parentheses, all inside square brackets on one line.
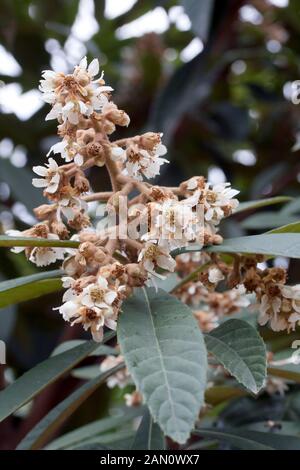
[(215, 78)]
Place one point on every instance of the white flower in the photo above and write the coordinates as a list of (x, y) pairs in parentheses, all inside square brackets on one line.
[(39, 255), (292, 293), (70, 207), (238, 296), (93, 318), (141, 162), (44, 255), (76, 94), (92, 70), (175, 222), (217, 199), (215, 275), (153, 256), (270, 312), (50, 174), (98, 294), (68, 150)]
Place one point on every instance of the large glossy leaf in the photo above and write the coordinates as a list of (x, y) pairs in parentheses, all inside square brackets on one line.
[(277, 244), (6, 241), (29, 287), (149, 435), (200, 14), (165, 353), (40, 434), (248, 205), (252, 440), (36, 379), (95, 428), (240, 349)]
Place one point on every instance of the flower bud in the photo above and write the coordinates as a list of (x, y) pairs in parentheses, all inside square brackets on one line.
[(43, 211), (150, 140), (82, 184)]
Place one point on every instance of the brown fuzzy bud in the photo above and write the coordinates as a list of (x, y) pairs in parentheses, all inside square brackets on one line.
[(99, 255), (44, 211), (150, 140), (39, 231), (60, 229), (82, 184), (80, 221), (137, 276), (88, 237), (94, 149), (108, 126), (87, 249), (117, 116)]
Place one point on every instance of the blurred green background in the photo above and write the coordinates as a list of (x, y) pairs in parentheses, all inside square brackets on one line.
[(215, 76)]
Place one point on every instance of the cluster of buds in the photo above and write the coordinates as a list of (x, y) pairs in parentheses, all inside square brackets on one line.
[(107, 265), (278, 303)]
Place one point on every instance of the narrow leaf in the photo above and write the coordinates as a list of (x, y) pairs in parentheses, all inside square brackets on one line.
[(166, 356), (36, 379), (6, 241), (265, 220), (94, 429), (245, 206), (149, 435), (29, 287), (252, 440), (277, 244), (294, 227), (39, 435), (200, 14)]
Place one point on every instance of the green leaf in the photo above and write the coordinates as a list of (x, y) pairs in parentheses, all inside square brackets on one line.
[(102, 350), (165, 353), (39, 435), (26, 387), (200, 14), (240, 349), (245, 206), (252, 440), (95, 428), (294, 227), (276, 244), (265, 220), (6, 241), (149, 435), (110, 441), (24, 288)]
